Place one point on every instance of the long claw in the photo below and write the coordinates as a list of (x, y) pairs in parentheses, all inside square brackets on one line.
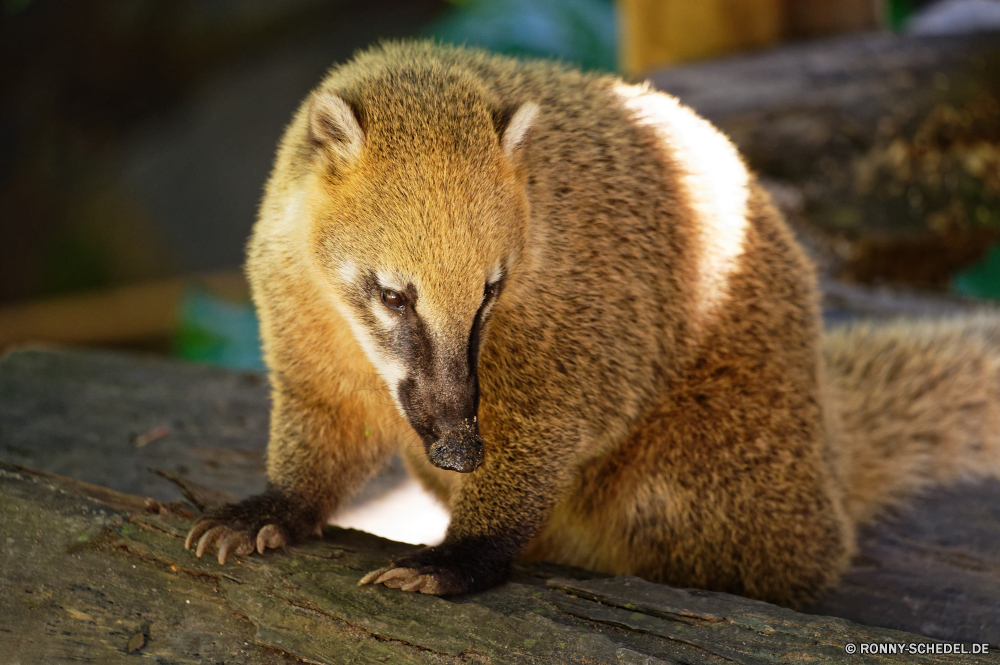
[(200, 527), (244, 547), (409, 579), (210, 536), (395, 583), (234, 539), (372, 576), (270, 536), (417, 584), (395, 574), (433, 586), (397, 577)]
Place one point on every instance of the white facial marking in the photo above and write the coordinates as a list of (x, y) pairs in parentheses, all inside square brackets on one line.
[(287, 220), (495, 274), (386, 317), (391, 281), (389, 368), (348, 272), (714, 180), (489, 306)]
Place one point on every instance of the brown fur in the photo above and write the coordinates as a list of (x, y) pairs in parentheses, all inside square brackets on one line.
[(919, 405), (653, 398)]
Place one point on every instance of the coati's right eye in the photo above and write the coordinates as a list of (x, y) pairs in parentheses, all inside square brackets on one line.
[(393, 299)]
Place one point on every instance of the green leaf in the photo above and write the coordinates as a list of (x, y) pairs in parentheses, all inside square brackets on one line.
[(982, 279)]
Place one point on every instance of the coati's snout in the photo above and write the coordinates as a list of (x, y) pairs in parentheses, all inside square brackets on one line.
[(460, 449), (444, 414)]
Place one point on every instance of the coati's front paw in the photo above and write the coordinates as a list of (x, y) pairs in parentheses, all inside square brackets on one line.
[(447, 570), (424, 580), (212, 531), (267, 520)]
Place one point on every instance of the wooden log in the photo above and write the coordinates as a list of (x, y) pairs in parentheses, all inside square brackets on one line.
[(882, 137), (788, 107), (101, 580), (86, 570)]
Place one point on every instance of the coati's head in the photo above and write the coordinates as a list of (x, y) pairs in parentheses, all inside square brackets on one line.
[(419, 216)]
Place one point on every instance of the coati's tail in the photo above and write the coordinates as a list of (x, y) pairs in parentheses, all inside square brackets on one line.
[(918, 404)]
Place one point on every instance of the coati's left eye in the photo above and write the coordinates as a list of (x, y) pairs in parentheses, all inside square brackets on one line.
[(393, 299), (490, 290)]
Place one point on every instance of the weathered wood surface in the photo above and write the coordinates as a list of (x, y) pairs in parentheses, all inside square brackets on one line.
[(82, 415), (85, 569), (97, 579), (108, 419)]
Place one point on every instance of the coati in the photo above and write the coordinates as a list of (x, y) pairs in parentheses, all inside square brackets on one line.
[(590, 332)]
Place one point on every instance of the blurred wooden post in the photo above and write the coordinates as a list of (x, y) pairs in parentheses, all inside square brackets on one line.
[(121, 315), (662, 32), (655, 33)]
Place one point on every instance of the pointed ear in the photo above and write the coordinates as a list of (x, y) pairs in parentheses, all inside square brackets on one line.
[(334, 126), (514, 125)]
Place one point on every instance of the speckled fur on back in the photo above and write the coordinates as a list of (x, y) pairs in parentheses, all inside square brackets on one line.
[(572, 290)]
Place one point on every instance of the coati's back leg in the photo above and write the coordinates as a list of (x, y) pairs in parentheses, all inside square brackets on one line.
[(713, 491)]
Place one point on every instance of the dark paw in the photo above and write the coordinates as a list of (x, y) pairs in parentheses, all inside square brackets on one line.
[(268, 520), (447, 570), (229, 539)]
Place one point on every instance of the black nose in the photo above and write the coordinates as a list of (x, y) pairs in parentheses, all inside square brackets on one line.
[(459, 449)]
